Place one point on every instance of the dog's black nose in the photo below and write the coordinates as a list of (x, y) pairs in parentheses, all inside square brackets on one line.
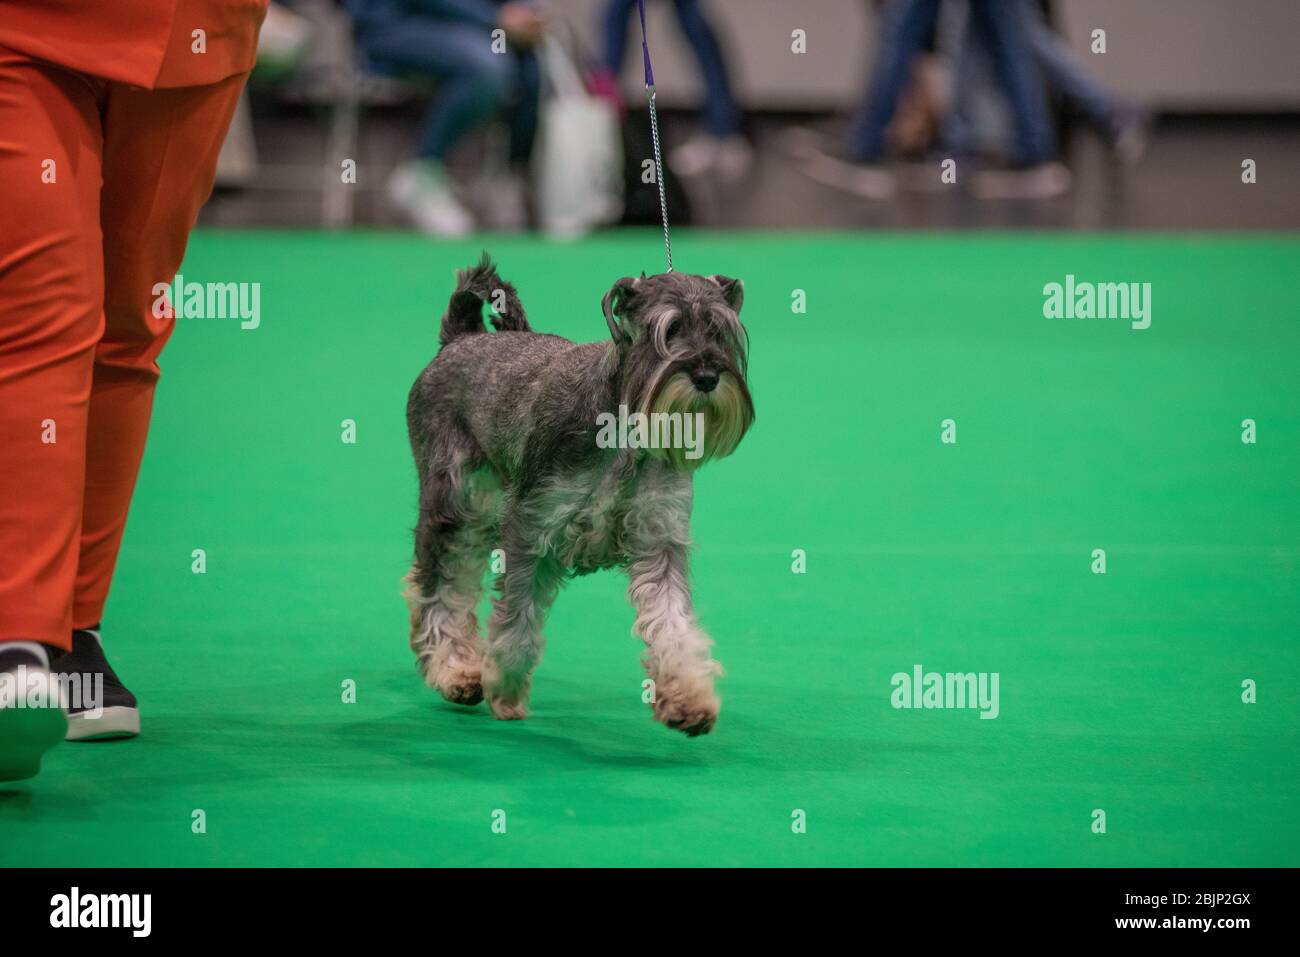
[(706, 380)]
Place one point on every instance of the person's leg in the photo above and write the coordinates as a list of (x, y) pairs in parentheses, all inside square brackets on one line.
[(474, 82), (721, 114), (51, 316), (524, 107), (473, 85), (160, 157), (979, 123), (614, 23), (1065, 72), (904, 26), (1000, 26), (501, 187), (965, 54), (1124, 124)]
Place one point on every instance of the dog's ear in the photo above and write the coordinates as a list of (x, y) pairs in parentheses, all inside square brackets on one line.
[(733, 291), (615, 304)]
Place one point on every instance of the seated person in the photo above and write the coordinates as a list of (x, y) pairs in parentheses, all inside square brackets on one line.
[(451, 42)]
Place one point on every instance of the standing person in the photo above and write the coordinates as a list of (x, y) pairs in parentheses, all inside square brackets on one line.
[(1123, 125), (111, 118), (905, 26), (451, 41), (720, 146)]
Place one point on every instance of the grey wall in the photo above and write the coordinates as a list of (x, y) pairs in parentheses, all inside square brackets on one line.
[(1182, 55)]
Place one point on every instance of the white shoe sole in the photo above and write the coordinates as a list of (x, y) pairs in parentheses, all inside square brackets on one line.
[(1047, 182), (25, 735), (118, 722), (866, 183)]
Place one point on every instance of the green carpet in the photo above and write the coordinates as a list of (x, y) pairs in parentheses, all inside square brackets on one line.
[(1120, 692)]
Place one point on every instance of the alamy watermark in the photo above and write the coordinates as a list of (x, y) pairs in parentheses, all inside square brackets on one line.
[(932, 689), (133, 912), (653, 430), (1098, 300), (38, 688), (209, 300)]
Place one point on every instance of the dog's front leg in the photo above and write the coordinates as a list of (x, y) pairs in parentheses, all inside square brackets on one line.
[(514, 642), (677, 656)]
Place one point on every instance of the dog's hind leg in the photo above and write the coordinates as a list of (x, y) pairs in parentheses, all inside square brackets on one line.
[(526, 589), (452, 545)]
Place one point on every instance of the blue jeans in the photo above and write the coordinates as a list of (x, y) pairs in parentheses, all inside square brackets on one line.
[(475, 84), (721, 114), (1059, 67), (1001, 28), (1066, 73)]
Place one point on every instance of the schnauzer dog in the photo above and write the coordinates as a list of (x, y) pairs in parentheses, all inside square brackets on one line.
[(511, 455)]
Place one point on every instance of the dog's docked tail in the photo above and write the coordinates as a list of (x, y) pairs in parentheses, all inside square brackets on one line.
[(475, 286)]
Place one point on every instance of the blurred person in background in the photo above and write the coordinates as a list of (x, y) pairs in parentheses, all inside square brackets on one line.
[(968, 132), (906, 27), (720, 146), (450, 41), (1122, 124)]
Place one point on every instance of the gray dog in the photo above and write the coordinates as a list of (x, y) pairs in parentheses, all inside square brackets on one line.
[(570, 458)]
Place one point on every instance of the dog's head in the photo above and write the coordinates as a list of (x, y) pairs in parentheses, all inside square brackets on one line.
[(683, 350)]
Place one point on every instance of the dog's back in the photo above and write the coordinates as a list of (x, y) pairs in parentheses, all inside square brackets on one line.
[(486, 385)]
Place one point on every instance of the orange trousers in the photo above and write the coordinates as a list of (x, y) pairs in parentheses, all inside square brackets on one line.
[(100, 184)]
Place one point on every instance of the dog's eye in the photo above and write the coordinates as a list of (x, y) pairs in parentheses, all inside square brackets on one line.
[(673, 328)]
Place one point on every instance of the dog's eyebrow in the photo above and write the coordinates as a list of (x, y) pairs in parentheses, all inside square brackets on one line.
[(724, 316), (659, 314), (658, 320), (725, 320)]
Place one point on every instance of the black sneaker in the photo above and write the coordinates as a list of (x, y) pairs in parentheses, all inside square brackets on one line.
[(115, 714), (31, 721)]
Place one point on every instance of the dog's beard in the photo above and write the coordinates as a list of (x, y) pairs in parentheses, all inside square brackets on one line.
[(727, 414)]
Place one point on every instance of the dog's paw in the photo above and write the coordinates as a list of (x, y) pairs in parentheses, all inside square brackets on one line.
[(507, 709), (692, 713), (466, 693), (506, 693), (457, 680)]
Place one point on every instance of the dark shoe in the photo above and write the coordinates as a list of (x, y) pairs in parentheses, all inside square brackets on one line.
[(113, 712), (31, 721)]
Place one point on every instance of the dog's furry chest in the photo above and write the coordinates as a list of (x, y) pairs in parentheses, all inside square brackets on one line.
[(588, 519)]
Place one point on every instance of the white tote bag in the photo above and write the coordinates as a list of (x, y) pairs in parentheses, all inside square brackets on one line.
[(578, 157)]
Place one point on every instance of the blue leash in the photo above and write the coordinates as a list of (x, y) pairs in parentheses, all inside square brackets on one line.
[(654, 133)]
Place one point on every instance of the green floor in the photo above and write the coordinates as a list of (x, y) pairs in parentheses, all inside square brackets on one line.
[(1119, 692)]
